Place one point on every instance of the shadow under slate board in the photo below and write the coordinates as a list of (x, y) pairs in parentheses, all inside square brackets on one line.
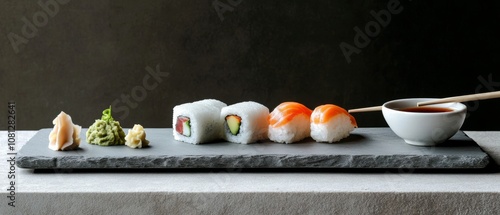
[(365, 148)]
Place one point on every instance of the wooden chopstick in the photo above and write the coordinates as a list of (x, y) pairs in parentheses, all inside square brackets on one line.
[(464, 98), (366, 109)]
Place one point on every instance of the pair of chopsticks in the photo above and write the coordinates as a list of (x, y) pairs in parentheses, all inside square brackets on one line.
[(464, 98)]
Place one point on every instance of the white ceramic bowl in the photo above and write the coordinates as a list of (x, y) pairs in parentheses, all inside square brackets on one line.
[(423, 129)]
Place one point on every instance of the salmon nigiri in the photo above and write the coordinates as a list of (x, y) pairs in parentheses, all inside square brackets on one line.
[(289, 122), (331, 123)]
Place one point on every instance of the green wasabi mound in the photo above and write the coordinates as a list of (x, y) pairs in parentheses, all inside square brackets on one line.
[(106, 131)]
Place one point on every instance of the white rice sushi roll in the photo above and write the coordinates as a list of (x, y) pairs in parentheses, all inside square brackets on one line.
[(289, 122), (198, 122), (331, 123), (245, 122)]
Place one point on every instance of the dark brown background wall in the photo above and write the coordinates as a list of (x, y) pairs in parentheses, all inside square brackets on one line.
[(144, 57)]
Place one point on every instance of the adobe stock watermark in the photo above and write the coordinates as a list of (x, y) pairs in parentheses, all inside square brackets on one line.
[(487, 84), (30, 28), (138, 93), (372, 29), (221, 7), (223, 179)]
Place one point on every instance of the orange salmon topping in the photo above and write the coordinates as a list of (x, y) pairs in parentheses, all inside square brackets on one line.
[(325, 113), (285, 112)]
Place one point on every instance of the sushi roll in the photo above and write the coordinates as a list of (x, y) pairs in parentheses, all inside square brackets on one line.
[(245, 122), (331, 123), (198, 122), (289, 122)]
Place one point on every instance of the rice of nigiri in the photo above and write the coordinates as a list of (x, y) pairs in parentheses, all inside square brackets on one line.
[(331, 123), (289, 122)]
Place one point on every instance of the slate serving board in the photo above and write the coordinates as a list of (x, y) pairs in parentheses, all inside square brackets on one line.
[(364, 148)]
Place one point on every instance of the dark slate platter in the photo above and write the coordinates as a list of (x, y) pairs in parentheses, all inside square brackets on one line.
[(364, 148)]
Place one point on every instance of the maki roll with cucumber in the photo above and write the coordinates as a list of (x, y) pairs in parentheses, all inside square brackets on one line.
[(198, 122), (245, 122)]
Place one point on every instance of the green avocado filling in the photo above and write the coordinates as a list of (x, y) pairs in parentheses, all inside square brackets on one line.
[(233, 123), (106, 131)]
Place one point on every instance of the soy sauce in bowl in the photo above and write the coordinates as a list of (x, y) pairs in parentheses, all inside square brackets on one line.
[(426, 109), (425, 125)]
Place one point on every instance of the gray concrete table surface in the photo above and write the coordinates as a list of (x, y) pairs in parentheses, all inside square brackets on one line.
[(232, 192)]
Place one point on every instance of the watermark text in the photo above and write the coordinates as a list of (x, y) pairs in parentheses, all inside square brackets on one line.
[(30, 28), (11, 153), (372, 29), (139, 93)]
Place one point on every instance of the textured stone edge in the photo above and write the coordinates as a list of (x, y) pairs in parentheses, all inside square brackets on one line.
[(257, 161)]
